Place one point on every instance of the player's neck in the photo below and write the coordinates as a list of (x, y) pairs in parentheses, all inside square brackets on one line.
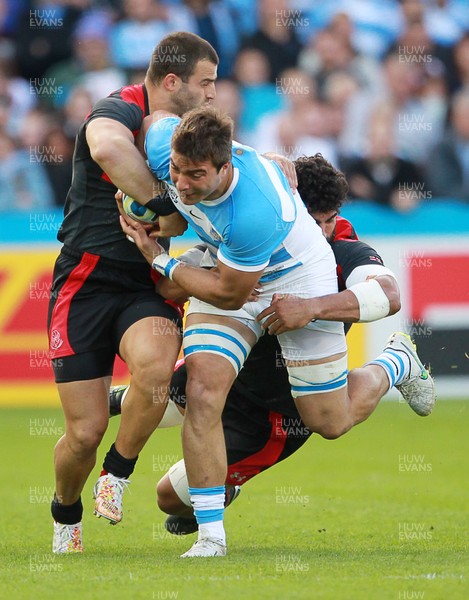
[(158, 100), (224, 185)]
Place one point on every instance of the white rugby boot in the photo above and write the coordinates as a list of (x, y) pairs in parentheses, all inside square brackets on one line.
[(418, 388)]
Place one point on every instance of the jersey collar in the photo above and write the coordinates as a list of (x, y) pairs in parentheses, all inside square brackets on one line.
[(228, 192)]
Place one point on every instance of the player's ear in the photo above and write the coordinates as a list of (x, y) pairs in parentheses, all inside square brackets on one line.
[(171, 82)]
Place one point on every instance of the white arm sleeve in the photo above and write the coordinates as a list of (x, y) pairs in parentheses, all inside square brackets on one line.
[(372, 300)]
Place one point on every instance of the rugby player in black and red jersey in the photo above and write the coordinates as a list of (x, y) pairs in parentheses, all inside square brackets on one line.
[(260, 421), (103, 301)]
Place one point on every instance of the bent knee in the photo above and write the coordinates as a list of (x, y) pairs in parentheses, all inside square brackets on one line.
[(151, 374), (330, 428), (167, 499), (332, 432)]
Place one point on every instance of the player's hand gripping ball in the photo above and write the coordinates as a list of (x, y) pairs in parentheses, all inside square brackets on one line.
[(137, 211)]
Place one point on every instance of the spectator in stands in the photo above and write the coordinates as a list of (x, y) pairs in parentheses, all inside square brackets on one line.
[(461, 58), (418, 112), (17, 96), (214, 21), (57, 152), (276, 36), (375, 25), (143, 24), (331, 51), (445, 20), (229, 100), (303, 127), (76, 108), (90, 65), (414, 45), (10, 11), (258, 94), (34, 128), (381, 176), (448, 163), (23, 182), (44, 34)]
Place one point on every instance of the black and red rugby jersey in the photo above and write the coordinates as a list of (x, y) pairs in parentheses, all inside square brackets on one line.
[(91, 219)]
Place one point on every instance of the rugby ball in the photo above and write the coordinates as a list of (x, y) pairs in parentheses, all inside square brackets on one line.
[(137, 211)]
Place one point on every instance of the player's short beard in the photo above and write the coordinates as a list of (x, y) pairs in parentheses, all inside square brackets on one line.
[(185, 101)]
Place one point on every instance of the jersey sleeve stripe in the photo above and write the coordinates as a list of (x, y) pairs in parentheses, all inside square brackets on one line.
[(238, 267)]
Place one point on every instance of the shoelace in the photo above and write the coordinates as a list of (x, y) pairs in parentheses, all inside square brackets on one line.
[(70, 534), (119, 484)]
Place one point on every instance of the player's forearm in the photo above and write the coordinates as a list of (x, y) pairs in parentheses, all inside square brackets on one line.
[(171, 290), (380, 300), (334, 307), (208, 287)]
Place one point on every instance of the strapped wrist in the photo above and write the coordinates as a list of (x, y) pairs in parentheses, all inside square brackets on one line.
[(161, 205), (165, 264)]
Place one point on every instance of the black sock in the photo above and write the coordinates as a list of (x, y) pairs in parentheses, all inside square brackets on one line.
[(67, 514), (117, 465)]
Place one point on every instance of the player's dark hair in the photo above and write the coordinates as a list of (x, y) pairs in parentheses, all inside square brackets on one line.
[(204, 133), (179, 53), (322, 187)]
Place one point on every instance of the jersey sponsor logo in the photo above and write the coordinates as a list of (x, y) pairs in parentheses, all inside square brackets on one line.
[(194, 215), (173, 193)]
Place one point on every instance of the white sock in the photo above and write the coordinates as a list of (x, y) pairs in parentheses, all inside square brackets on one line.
[(209, 508), (396, 365)]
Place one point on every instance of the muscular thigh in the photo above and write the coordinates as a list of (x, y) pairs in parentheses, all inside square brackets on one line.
[(85, 404), (148, 331)]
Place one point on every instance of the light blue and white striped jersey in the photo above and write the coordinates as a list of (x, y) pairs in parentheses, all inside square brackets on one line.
[(257, 224)]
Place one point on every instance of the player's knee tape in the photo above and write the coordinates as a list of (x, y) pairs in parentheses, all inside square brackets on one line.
[(317, 379), (171, 417), (217, 339), (178, 478)]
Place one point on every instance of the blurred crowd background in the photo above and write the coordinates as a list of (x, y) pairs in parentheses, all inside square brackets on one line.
[(379, 87)]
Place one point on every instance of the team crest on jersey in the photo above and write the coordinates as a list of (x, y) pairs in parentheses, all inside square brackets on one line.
[(55, 340), (238, 477), (214, 234)]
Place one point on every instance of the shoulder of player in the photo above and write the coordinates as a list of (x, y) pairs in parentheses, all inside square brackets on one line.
[(257, 174), (354, 250), (344, 229), (133, 94)]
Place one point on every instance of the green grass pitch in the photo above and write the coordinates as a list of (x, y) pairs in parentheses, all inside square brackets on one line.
[(382, 513)]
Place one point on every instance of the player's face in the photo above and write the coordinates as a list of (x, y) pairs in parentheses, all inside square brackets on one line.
[(326, 221), (197, 181), (199, 88)]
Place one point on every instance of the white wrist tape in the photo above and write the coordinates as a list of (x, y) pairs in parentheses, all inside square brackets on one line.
[(165, 265), (372, 301)]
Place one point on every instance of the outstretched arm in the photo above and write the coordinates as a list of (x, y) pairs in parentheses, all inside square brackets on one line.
[(378, 297)]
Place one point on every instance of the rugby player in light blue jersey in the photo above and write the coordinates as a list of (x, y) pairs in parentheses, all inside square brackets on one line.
[(260, 235)]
